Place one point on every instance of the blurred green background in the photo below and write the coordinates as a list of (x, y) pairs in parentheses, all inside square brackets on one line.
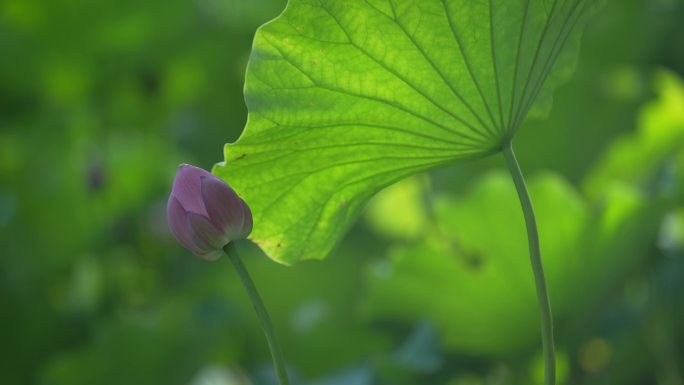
[(99, 103)]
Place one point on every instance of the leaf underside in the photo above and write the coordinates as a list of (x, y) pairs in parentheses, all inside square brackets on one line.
[(347, 97)]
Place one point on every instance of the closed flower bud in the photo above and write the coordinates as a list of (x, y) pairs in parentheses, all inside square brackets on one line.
[(205, 214)]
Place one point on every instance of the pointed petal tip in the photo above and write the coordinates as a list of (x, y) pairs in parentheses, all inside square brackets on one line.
[(185, 167)]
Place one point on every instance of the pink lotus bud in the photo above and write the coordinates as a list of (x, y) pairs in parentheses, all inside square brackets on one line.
[(205, 214)]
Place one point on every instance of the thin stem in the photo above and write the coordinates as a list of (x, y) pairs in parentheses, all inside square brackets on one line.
[(537, 267), (260, 309)]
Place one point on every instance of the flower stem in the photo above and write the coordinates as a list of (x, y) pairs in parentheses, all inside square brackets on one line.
[(537, 267), (260, 309)]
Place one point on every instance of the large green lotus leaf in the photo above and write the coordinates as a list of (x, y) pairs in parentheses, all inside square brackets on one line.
[(479, 266), (347, 97)]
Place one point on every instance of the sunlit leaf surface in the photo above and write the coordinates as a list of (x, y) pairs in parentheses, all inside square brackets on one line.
[(346, 97)]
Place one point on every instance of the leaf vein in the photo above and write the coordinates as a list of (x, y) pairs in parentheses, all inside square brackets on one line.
[(428, 60), (403, 79), (466, 60), (494, 62), (376, 99)]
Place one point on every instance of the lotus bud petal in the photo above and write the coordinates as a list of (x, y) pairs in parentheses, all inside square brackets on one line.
[(205, 214)]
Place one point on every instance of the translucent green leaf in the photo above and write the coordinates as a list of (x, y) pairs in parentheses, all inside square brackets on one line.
[(346, 97)]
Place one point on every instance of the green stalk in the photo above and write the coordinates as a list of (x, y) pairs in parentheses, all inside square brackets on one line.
[(537, 266), (257, 303)]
